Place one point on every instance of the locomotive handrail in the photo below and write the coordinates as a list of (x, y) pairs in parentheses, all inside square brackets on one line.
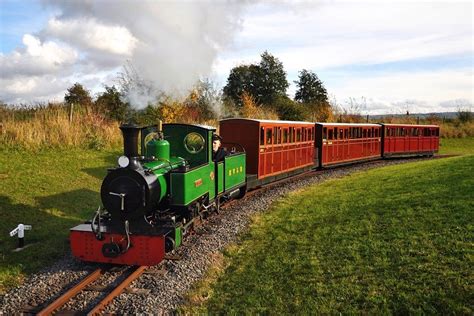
[(234, 144)]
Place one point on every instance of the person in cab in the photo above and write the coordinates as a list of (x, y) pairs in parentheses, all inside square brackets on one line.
[(218, 152)]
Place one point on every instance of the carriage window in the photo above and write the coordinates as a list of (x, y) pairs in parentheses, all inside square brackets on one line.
[(275, 135), (364, 133), (330, 133), (341, 134), (279, 135), (285, 135), (345, 133), (335, 132), (376, 133), (325, 133), (262, 136), (292, 134), (369, 133), (437, 132), (298, 134), (269, 136), (312, 133)]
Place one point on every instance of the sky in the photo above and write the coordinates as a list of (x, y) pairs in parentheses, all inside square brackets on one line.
[(384, 56)]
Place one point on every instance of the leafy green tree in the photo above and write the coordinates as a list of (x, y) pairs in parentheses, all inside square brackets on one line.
[(288, 109), (310, 88), (265, 81), (111, 105), (78, 95), (271, 79), (241, 78), (312, 93)]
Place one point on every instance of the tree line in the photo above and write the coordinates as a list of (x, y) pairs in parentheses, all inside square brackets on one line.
[(256, 90)]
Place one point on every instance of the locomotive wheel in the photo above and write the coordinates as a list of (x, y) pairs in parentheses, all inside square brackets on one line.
[(242, 191), (169, 244)]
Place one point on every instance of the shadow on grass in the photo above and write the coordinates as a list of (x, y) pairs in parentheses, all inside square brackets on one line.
[(51, 218), (109, 161)]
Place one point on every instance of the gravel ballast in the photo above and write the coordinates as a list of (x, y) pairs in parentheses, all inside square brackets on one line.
[(158, 292)]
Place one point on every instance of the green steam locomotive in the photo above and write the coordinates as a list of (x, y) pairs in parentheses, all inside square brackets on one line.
[(153, 197)]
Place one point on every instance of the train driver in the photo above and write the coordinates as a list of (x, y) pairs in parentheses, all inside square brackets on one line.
[(218, 153)]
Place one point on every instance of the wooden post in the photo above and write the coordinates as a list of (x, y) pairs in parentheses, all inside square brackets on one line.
[(71, 110), (367, 118)]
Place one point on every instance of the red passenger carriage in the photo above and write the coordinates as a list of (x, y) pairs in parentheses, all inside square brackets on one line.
[(275, 149), (410, 140), (341, 143)]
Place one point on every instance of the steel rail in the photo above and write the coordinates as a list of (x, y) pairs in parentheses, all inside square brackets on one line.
[(63, 299), (116, 291)]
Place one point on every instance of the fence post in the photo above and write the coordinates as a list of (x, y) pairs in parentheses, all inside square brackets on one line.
[(71, 110)]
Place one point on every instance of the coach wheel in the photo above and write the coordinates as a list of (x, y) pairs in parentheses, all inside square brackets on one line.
[(242, 191), (169, 244)]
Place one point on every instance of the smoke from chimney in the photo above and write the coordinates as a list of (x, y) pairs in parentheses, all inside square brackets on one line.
[(174, 43)]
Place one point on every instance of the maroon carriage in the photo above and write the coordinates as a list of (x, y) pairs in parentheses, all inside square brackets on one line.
[(410, 140), (342, 143), (275, 149)]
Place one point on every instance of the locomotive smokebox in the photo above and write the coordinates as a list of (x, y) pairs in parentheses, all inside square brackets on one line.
[(130, 139)]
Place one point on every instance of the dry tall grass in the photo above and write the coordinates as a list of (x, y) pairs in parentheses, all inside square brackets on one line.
[(250, 109), (449, 128), (49, 127)]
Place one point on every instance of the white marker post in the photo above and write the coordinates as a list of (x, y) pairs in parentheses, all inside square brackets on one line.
[(20, 231)]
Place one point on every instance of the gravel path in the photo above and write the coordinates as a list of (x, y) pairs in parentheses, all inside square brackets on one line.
[(164, 293)]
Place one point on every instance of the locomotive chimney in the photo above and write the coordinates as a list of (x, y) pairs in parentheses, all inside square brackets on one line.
[(130, 139)]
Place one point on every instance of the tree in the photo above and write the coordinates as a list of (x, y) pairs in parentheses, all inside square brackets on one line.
[(312, 93), (241, 79), (78, 95), (111, 105), (288, 109), (271, 80), (265, 81)]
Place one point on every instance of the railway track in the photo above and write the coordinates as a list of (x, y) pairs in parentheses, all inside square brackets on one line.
[(126, 278)]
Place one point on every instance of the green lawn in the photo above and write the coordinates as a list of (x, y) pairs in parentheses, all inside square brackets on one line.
[(55, 189), (393, 240), (52, 191), (460, 146)]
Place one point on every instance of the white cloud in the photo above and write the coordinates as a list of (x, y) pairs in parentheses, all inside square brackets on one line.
[(88, 33), (173, 44), (37, 58), (427, 91)]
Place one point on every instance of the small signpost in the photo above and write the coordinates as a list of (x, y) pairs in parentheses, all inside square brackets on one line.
[(20, 231)]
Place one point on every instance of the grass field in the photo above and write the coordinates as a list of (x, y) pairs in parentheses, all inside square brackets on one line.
[(55, 189), (52, 191), (459, 146), (392, 240)]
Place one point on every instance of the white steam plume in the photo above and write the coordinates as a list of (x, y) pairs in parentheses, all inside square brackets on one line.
[(175, 43)]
